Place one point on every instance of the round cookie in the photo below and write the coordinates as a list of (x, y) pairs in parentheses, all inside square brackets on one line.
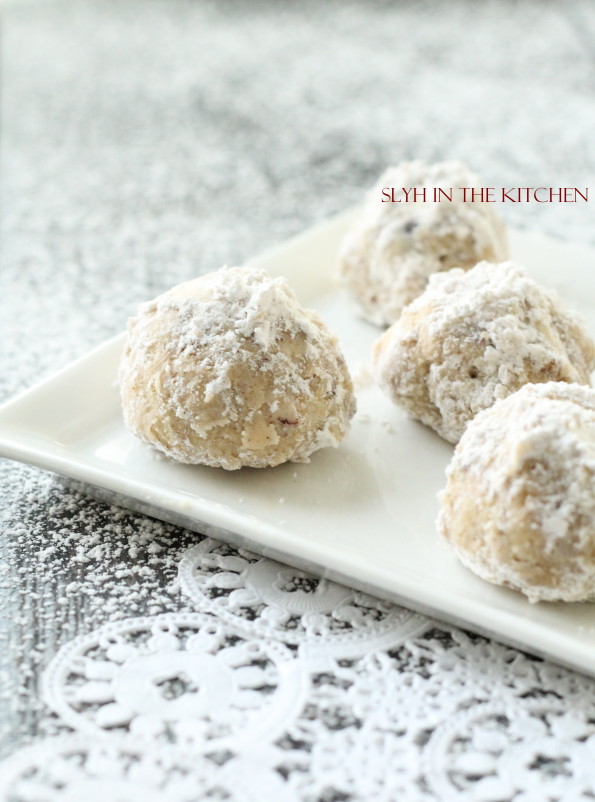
[(393, 248), (229, 370), (474, 337), (519, 507)]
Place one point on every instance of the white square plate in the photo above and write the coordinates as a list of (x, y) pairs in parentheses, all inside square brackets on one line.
[(363, 514)]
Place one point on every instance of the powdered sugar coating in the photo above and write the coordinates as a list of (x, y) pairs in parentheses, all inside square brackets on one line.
[(474, 337), (394, 247), (519, 507), (229, 370)]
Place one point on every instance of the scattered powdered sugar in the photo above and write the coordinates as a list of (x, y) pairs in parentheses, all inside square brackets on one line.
[(474, 337), (68, 564), (529, 462)]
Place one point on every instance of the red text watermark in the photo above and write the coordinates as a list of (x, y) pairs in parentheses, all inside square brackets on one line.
[(485, 194)]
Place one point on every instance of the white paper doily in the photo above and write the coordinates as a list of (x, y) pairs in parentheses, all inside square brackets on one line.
[(186, 706), (267, 599), (181, 678), (79, 769)]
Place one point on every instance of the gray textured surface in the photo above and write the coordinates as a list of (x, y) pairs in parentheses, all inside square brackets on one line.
[(146, 142)]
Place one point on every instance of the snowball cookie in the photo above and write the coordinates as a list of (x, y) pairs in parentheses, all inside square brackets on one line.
[(474, 337), (385, 261), (229, 370), (519, 506)]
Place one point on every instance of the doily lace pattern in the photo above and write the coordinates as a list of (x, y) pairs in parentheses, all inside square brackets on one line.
[(281, 686), (495, 751), (267, 599), (180, 678), (81, 769)]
